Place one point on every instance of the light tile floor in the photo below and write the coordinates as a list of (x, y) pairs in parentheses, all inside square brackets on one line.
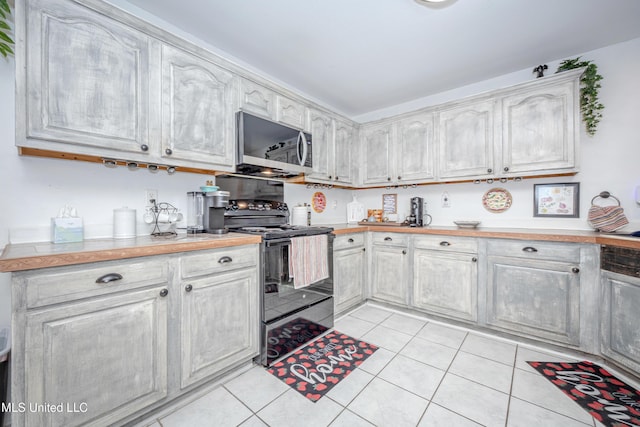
[(424, 374)]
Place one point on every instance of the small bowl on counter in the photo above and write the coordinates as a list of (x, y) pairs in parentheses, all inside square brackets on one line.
[(209, 188), (467, 224)]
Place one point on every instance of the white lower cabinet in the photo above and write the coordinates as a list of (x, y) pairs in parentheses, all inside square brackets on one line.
[(349, 263), (390, 267), (445, 277), (533, 289), (97, 337), (620, 334), (218, 323), (105, 356)]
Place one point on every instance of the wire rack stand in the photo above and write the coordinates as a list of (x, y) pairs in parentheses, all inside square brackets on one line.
[(163, 229)]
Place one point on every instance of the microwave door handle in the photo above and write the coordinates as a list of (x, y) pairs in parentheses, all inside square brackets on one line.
[(302, 157)]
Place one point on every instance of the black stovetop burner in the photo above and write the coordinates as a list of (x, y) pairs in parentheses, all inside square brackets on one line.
[(284, 231)]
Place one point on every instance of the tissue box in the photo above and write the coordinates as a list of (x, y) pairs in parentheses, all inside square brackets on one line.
[(66, 230)]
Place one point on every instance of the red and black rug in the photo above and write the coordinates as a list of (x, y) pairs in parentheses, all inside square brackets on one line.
[(319, 366), (608, 399)]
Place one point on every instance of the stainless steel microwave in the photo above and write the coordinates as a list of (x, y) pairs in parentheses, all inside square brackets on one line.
[(271, 149)]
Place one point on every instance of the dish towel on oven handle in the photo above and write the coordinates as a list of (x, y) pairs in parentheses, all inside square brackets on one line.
[(308, 260)]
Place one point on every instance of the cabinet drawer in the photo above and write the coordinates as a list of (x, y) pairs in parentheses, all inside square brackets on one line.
[(447, 243), (218, 260), (347, 241), (390, 239), (535, 250), (63, 284)]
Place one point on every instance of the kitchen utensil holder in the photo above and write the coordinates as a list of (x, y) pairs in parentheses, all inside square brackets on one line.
[(166, 229)]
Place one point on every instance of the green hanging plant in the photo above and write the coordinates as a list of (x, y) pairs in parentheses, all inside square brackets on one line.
[(6, 42), (589, 84)]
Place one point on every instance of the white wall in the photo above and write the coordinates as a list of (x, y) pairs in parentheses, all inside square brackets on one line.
[(33, 189)]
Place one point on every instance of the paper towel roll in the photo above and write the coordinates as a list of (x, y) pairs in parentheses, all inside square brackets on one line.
[(299, 215), (124, 223)]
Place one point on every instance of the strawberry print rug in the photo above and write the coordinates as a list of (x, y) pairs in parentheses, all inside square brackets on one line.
[(317, 367), (608, 399)]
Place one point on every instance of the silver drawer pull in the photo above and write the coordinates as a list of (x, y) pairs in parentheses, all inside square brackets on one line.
[(225, 260), (529, 249), (350, 240), (388, 239), (107, 278), (445, 243)]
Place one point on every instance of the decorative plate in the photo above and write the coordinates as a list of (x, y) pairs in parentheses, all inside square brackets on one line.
[(467, 224), (497, 200), (319, 201)]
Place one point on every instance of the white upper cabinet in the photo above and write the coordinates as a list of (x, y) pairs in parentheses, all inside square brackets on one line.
[(466, 139), (539, 129), (345, 138), (415, 145), (88, 79), (292, 113), (378, 154), (257, 99), (333, 142), (198, 100)]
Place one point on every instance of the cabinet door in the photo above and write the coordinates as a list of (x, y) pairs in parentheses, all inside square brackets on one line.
[(198, 117), (620, 319), (344, 140), (109, 353), (88, 78), (322, 152), (390, 265), (348, 282), (415, 144), (291, 112), (538, 130), (446, 283), (534, 297), (377, 146), (219, 323), (466, 140), (257, 99)]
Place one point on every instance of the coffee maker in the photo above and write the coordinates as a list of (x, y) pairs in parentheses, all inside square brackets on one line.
[(416, 214), (205, 211)]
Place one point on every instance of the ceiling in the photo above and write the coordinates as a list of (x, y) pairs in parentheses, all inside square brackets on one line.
[(359, 56)]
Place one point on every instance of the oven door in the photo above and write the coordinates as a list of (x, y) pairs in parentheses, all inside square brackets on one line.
[(280, 298)]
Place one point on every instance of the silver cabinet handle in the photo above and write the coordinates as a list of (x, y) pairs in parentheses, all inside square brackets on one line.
[(350, 240), (107, 278), (388, 239), (445, 243), (529, 249), (575, 270), (225, 260), (474, 259), (188, 288), (164, 293), (404, 252)]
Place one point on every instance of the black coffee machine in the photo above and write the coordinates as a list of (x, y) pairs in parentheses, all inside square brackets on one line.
[(416, 214)]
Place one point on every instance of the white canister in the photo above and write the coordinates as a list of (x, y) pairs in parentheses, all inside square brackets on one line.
[(299, 215), (124, 223)]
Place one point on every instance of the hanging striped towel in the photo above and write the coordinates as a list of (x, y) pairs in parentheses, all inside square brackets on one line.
[(308, 260), (607, 218)]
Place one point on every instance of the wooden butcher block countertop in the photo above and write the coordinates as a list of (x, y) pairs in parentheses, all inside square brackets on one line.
[(30, 256), (572, 236)]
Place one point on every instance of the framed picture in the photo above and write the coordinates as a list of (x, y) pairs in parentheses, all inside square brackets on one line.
[(557, 200)]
